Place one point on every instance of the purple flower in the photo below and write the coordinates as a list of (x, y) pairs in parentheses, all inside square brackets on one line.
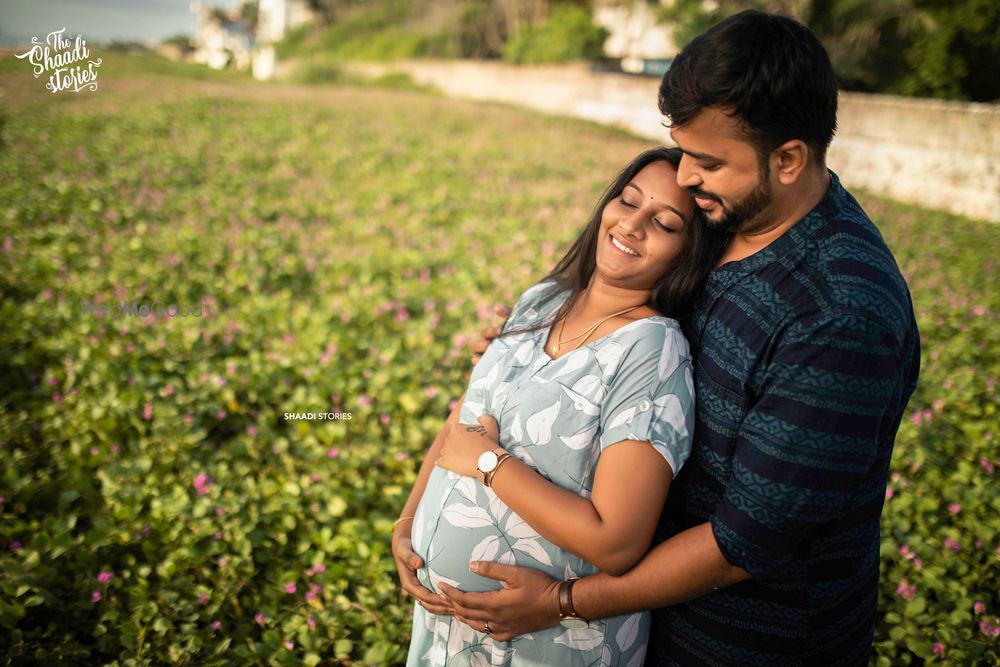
[(290, 587), (147, 411), (952, 544), (203, 483), (954, 508), (289, 644), (906, 590), (333, 452), (938, 648), (202, 598), (95, 597), (216, 625), (15, 546), (104, 577), (364, 400), (251, 431), (260, 618)]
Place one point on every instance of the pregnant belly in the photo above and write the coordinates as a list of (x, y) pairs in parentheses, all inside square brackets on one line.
[(459, 521)]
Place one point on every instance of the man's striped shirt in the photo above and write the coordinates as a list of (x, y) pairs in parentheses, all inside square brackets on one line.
[(806, 354)]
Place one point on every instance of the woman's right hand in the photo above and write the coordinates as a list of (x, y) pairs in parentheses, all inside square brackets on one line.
[(407, 562)]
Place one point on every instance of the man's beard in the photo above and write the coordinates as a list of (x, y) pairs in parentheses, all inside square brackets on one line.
[(744, 210)]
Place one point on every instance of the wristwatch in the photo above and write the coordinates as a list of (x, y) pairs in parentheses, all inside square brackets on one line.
[(568, 617), (489, 462)]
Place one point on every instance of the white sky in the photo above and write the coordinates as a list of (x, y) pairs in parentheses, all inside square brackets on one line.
[(99, 20)]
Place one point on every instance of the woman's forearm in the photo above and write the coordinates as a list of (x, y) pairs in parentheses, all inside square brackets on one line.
[(417, 492), (564, 518)]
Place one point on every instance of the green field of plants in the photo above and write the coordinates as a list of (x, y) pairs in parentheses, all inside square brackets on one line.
[(339, 246)]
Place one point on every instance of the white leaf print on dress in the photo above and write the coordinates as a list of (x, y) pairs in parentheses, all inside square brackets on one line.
[(435, 655), (436, 580), (606, 656), (467, 487), (497, 507), (581, 439), (572, 363), (487, 382), (581, 403), (464, 516), (670, 410), (533, 549), (459, 637), (609, 357), (582, 639), (507, 558), (487, 549), (474, 410), (670, 357), (623, 417), (519, 528), (539, 425), (515, 428), (522, 454), (590, 387), (628, 632), (522, 354)]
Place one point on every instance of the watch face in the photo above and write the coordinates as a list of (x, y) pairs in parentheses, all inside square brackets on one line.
[(487, 461), (574, 623)]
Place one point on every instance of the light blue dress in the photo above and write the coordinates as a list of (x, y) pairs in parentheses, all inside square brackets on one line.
[(558, 416)]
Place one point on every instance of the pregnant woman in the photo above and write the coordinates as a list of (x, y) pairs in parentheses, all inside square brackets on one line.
[(561, 451)]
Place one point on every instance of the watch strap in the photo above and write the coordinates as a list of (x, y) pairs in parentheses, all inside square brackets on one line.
[(566, 609), (488, 481)]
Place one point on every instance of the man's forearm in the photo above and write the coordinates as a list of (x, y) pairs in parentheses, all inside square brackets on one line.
[(686, 566)]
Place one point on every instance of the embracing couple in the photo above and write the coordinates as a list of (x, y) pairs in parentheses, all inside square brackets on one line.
[(676, 449)]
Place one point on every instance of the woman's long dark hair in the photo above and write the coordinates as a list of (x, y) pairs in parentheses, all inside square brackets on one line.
[(674, 292)]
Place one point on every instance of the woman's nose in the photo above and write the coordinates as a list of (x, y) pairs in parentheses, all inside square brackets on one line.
[(634, 223)]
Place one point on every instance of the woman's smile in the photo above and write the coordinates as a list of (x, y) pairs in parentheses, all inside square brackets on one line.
[(621, 248)]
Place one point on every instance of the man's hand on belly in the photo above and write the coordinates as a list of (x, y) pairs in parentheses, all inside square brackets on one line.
[(528, 601)]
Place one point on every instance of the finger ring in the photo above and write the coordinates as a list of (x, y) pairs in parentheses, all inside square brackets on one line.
[(487, 628)]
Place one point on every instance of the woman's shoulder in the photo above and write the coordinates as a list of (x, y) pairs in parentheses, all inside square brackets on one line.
[(655, 337)]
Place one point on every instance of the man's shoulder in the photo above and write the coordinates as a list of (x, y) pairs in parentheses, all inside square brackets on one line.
[(851, 269)]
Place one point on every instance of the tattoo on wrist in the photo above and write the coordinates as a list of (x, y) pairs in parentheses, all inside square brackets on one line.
[(480, 429)]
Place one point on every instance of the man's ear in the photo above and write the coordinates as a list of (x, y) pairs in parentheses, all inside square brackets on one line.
[(792, 158)]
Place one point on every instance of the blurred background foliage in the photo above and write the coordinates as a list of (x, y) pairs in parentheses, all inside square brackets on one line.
[(931, 48)]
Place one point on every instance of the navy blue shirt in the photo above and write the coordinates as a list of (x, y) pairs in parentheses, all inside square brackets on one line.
[(806, 354)]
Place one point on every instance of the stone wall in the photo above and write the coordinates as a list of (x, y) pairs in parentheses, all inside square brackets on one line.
[(933, 153)]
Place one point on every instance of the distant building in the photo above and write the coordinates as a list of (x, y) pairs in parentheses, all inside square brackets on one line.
[(275, 18), (641, 44), (223, 39)]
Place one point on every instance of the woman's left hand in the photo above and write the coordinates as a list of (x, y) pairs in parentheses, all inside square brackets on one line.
[(463, 443)]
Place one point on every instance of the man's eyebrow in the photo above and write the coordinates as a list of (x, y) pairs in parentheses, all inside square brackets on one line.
[(666, 206), (701, 156)]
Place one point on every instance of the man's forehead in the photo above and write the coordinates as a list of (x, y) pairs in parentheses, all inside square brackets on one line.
[(711, 131)]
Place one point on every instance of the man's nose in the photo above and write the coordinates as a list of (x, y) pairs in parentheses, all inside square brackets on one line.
[(686, 176)]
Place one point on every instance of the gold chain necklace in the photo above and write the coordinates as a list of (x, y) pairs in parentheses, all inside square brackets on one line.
[(560, 341)]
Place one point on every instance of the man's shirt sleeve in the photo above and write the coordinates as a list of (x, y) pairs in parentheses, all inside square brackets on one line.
[(808, 442)]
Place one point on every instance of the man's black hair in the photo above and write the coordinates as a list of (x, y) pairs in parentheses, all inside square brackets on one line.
[(769, 71)]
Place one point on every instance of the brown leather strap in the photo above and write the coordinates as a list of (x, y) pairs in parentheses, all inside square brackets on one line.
[(566, 598)]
